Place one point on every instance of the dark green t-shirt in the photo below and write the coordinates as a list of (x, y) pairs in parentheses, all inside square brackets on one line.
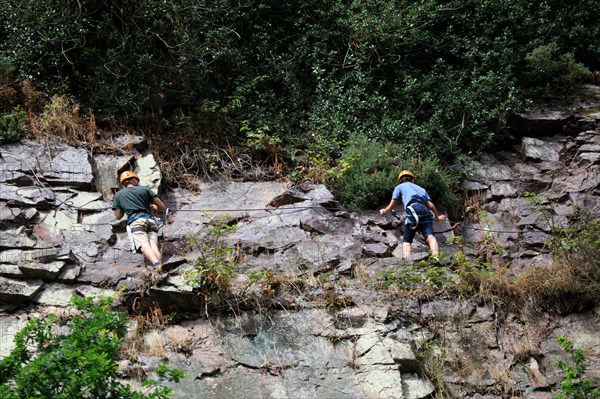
[(133, 200)]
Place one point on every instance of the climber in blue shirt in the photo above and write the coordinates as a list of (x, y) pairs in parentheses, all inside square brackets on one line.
[(420, 212)]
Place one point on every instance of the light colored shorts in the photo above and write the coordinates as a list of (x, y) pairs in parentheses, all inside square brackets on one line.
[(143, 231)]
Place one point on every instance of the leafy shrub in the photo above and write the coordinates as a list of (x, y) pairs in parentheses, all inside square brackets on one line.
[(73, 360), (437, 79), (575, 385), (11, 126), (213, 270), (373, 170), (550, 67)]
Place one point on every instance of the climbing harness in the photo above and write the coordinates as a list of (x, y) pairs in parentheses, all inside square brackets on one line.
[(414, 218), (137, 216), (452, 227), (160, 222)]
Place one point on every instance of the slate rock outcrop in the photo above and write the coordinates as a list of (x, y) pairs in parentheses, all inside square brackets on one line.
[(330, 333)]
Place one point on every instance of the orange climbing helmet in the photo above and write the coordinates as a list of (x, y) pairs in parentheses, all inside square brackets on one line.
[(128, 174), (406, 173)]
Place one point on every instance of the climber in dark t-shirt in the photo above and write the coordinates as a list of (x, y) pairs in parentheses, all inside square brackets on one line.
[(137, 202)]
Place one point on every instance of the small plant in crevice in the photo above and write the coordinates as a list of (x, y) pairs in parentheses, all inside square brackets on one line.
[(579, 243), (433, 357), (268, 284), (144, 331), (564, 238), (423, 277), (574, 384), (541, 207), (333, 300), (214, 269)]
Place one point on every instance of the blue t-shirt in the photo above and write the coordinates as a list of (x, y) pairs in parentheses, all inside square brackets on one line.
[(409, 193)]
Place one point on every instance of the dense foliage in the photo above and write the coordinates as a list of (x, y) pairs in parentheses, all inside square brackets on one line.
[(372, 173), (74, 359), (302, 76)]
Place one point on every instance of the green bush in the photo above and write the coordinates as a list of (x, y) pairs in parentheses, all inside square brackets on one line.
[(575, 385), (76, 359), (11, 126), (373, 170), (438, 76), (557, 71)]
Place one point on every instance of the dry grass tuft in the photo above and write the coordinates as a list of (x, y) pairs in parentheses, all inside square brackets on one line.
[(360, 272), (153, 344), (60, 119), (179, 340), (8, 95), (33, 99), (560, 288)]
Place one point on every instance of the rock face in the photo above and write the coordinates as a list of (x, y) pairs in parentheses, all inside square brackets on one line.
[(302, 319)]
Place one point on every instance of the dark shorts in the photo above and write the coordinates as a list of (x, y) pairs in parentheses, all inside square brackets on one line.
[(426, 229), (424, 225)]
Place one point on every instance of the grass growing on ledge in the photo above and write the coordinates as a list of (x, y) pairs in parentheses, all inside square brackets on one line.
[(570, 284), (214, 269)]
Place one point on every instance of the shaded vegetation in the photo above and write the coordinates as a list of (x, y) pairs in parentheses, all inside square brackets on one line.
[(276, 89)]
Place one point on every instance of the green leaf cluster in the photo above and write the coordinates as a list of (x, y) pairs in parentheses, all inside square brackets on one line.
[(440, 77), (213, 270), (373, 171), (574, 384), (11, 126), (75, 358)]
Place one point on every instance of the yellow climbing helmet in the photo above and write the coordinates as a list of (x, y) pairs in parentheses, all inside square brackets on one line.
[(128, 174), (404, 173)]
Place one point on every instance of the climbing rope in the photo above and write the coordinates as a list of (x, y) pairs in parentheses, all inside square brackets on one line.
[(68, 203)]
